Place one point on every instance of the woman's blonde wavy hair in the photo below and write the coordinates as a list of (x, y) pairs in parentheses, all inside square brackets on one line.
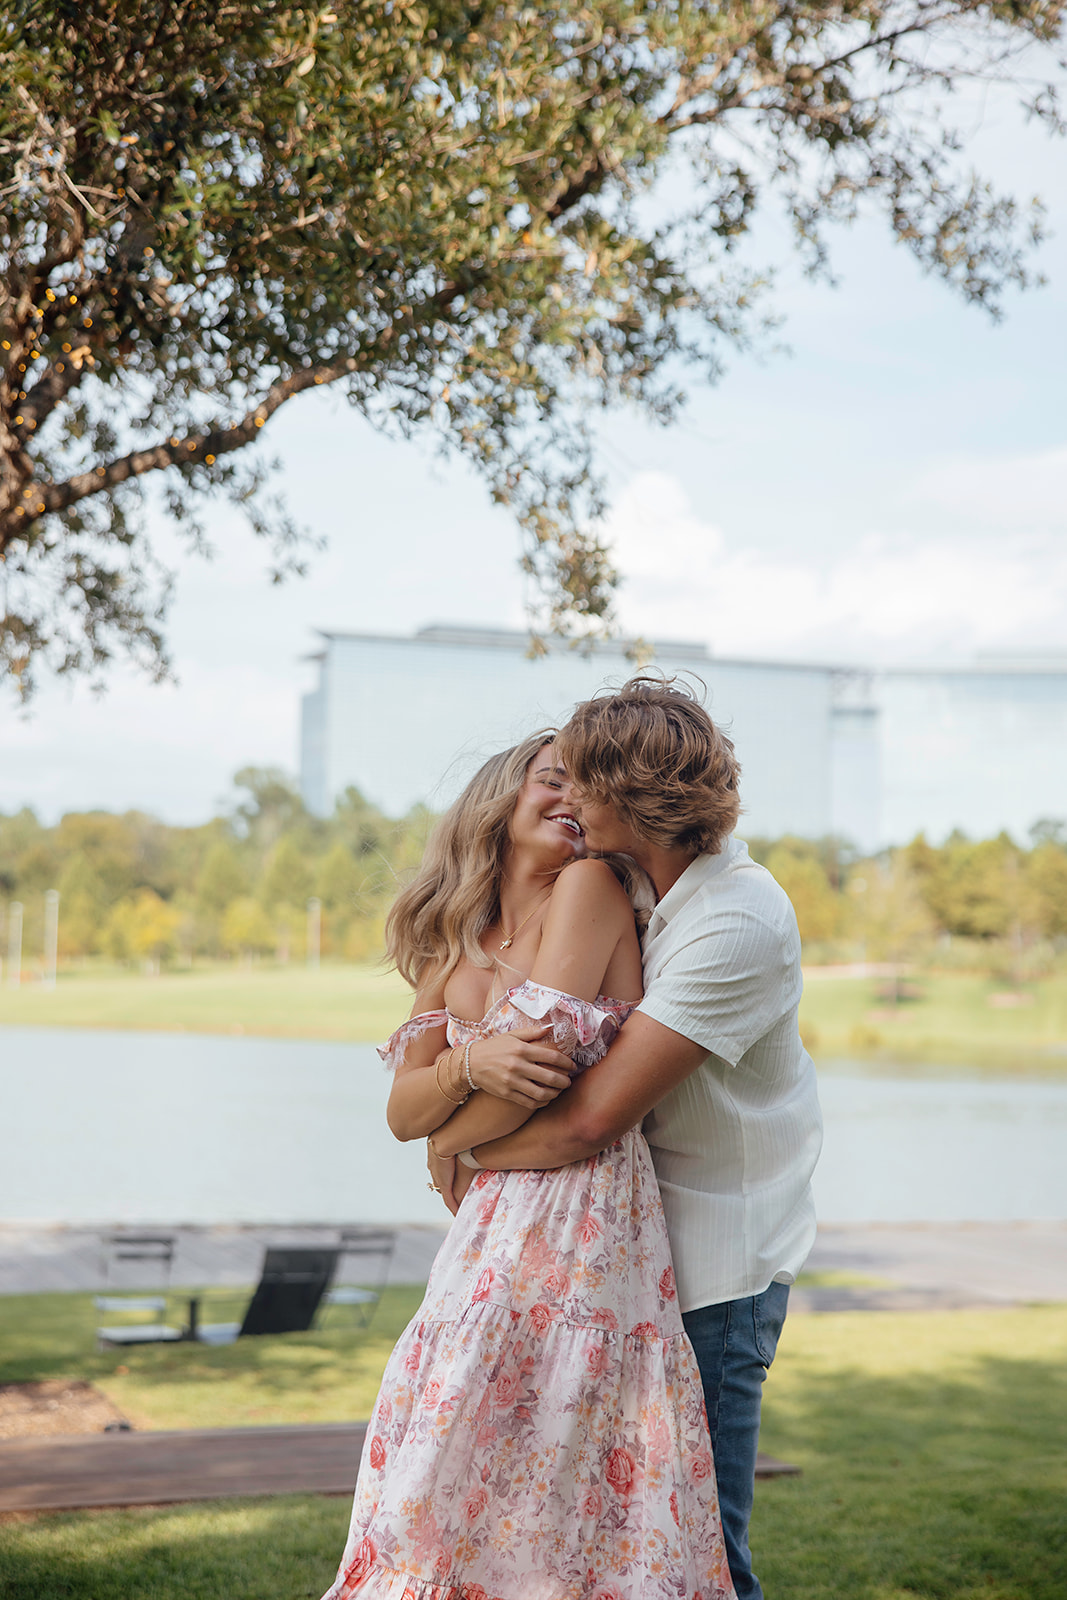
[(443, 913)]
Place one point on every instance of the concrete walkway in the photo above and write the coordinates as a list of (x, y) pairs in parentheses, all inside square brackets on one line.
[(912, 1265)]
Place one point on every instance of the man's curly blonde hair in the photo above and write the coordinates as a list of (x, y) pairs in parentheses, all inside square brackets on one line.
[(651, 751)]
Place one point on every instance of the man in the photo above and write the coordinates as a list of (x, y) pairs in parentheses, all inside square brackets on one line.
[(711, 1060)]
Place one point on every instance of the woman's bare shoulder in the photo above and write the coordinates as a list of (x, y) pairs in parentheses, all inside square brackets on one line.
[(430, 995), (589, 882)]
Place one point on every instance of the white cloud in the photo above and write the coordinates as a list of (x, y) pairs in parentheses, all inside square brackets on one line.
[(1016, 491), (887, 598)]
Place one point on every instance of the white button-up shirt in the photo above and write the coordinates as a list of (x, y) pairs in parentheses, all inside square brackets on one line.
[(735, 1145)]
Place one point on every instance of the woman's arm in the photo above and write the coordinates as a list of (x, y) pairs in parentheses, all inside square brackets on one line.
[(425, 1092), (588, 928)]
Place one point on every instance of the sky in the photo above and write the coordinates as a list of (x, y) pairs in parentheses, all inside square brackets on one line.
[(892, 486)]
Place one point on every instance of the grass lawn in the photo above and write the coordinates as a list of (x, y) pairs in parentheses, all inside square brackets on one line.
[(328, 1375), (931, 1446), (960, 1019), (291, 1002), (954, 1023)]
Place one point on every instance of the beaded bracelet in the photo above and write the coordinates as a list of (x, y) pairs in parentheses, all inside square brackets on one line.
[(467, 1066)]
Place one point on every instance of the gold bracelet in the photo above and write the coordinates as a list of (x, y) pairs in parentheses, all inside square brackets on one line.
[(437, 1078)]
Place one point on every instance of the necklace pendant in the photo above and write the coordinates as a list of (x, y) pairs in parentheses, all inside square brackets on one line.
[(507, 943)]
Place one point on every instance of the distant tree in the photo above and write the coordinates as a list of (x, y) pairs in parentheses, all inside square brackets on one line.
[(341, 879), (287, 878), (796, 865), (1046, 889), (442, 209), (222, 878), (273, 806), (144, 928), (246, 929), (888, 914), (971, 887)]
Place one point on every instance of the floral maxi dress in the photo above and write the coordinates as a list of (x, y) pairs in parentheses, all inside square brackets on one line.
[(540, 1431)]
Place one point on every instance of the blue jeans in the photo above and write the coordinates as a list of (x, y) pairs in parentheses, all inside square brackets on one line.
[(735, 1344)]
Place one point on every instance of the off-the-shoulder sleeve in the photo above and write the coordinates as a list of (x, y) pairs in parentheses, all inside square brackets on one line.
[(581, 1029), (392, 1051)]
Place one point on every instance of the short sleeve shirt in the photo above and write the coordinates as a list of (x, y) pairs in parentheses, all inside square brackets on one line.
[(735, 1144)]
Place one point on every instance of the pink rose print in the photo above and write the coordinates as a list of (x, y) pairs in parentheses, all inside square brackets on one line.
[(413, 1360), (701, 1466), (592, 1503), (541, 1316), (674, 1508), (557, 1284), (595, 1358), (486, 1209), (475, 1504), (385, 1412), (432, 1392), (484, 1284), (603, 1318), (666, 1283), (363, 1560), (644, 1330), (606, 1591), (589, 1229), (621, 1472), (506, 1390), (377, 1453)]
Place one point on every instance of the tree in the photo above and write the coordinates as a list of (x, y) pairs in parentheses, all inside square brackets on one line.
[(889, 915), (441, 208), (246, 929), (1045, 890), (971, 887), (145, 927), (819, 910)]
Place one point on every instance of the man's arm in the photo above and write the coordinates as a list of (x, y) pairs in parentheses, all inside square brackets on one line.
[(646, 1061)]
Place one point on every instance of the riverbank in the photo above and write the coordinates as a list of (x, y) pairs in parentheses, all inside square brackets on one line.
[(940, 1019)]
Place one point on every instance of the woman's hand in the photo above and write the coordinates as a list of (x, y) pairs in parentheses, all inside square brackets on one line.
[(520, 1067), (442, 1170)]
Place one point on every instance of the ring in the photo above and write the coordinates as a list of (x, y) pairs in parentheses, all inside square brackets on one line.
[(433, 1188)]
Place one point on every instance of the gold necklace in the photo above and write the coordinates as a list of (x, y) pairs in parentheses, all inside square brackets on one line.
[(509, 941)]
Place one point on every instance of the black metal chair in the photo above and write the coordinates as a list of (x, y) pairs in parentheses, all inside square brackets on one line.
[(128, 1260), (371, 1249), (292, 1283)]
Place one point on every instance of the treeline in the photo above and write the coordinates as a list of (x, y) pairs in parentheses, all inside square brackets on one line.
[(135, 890), (989, 900)]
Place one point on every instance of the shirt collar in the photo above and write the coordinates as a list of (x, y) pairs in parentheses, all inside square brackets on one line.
[(699, 872)]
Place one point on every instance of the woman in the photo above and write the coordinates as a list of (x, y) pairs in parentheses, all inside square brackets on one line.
[(540, 1431)]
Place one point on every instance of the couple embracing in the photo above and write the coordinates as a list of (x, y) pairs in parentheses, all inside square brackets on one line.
[(603, 1055)]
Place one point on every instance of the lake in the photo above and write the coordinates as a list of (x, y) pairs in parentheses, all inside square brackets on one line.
[(154, 1127)]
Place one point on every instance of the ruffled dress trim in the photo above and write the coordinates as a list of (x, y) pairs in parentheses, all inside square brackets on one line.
[(582, 1029)]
